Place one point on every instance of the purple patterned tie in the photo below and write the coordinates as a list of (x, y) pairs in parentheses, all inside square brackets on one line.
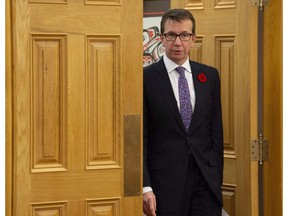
[(184, 98)]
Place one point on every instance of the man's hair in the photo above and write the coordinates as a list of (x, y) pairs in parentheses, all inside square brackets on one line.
[(178, 15)]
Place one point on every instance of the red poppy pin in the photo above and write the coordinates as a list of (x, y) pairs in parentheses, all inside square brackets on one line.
[(202, 78)]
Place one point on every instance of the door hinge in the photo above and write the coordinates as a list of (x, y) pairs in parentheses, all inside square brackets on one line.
[(260, 3), (259, 149)]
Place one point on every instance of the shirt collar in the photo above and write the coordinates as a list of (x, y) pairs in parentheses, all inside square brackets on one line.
[(170, 65)]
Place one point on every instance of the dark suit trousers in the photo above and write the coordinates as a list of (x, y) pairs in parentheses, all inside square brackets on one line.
[(198, 199)]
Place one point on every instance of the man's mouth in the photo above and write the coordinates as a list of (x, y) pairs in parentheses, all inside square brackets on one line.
[(177, 51)]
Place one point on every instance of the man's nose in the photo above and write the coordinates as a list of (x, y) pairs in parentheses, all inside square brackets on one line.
[(177, 40)]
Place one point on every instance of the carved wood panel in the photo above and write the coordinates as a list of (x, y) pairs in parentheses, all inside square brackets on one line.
[(221, 4), (108, 207), (48, 104), (196, 51), (195, 5), (224, 61), (102, 78), (229, 199), (49, 209), (103, 2)]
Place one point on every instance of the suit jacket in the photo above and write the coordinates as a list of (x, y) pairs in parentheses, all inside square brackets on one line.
[(167, 144)]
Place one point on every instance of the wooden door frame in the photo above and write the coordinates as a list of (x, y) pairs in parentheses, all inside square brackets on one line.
[(273, 107), (285, 107), (8, 109)]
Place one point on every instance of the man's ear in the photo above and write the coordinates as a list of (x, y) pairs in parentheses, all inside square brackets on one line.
[(161, 37), (193, 38)]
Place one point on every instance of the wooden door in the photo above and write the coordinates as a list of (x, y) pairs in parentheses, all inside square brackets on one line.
[(76, 79), (227, 39), (272, 107)]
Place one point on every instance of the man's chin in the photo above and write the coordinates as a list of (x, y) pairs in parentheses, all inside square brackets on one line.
[(178, 59)]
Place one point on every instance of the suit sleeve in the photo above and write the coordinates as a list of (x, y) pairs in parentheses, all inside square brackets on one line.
[(217, 125)]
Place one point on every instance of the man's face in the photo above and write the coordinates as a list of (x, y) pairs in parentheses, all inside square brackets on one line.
[(178, 50)]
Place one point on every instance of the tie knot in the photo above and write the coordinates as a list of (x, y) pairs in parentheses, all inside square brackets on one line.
[(180, 70)]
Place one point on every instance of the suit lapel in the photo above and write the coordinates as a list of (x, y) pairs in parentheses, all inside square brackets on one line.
[(165, 87), (199, 90)]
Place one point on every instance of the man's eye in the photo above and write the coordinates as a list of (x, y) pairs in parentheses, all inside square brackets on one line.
[(185, 35)]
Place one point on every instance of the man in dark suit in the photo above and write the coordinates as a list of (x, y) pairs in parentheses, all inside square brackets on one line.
[(183, 141)]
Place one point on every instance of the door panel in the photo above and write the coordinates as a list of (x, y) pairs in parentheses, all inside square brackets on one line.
[(226, 39), (74, 80)]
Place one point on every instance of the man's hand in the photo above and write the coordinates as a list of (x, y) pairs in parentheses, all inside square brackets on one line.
[(149, 203)]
